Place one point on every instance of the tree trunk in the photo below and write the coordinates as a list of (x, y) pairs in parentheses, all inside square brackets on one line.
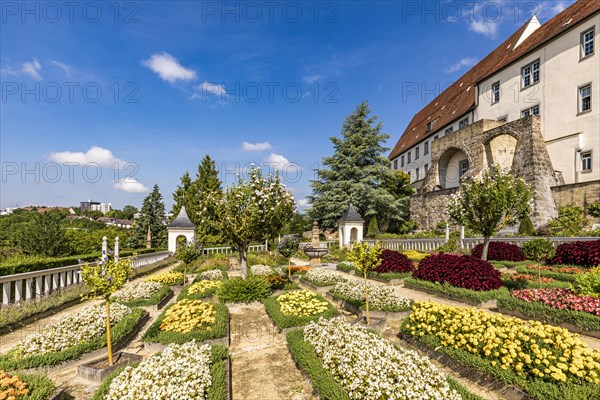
[(108, 343), (367, 299), (243, 249), (484, 250)]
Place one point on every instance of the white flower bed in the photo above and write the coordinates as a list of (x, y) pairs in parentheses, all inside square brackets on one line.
[(180, 371), (138, 291), (324, 276), (380, 297), (259, 269), (71, 330), (212, 275), (370, 368)]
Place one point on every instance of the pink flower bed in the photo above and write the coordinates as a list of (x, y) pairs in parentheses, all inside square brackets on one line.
[(560, 298)]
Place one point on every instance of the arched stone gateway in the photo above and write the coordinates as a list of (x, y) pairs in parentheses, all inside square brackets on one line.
[(181, 226), (516, 146)]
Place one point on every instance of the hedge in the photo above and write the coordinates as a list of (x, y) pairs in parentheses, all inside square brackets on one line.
[(219, 329), (536, 388), (559, 276), (453, 291), (118, 333), (546, 313), (287, 321), (20, 267), (40, 387)]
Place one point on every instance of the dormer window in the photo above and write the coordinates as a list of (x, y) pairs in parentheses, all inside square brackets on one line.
[(431, 125)]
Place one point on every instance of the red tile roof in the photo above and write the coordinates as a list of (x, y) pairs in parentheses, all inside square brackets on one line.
[(459, 98)]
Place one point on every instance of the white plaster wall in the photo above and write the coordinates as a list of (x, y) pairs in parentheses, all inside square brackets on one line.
[(174, 233)]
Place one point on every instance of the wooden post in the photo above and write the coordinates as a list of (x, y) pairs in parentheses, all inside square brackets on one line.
[(108, 343)]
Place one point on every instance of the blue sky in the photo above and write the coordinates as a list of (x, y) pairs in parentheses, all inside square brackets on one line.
[(102, 100)]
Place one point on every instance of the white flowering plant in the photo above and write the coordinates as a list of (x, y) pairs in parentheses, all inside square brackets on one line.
[(180, 371), (368, 367), (261, 270), (323, 277), (211, 275), (142, 293), (381, 298)]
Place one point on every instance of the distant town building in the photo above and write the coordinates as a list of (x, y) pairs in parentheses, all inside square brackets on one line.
[(95, 206), (119, 223)]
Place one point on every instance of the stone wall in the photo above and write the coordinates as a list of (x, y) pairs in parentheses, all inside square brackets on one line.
[(581, 194), (519, 144)]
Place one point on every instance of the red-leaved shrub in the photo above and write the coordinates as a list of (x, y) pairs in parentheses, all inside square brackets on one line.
[(578, 253), (500, 251), (462, 271), (394, 261)]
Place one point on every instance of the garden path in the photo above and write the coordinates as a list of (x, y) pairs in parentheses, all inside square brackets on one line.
[(262, 367)]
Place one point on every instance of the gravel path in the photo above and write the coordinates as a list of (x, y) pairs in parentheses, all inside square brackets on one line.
[(262, 367)]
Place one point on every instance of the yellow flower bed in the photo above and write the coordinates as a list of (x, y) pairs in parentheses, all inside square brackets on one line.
[(414, 255), (11, 387), (188, 315), (169, 278), (201, 286), (301, 303), (529, 348)]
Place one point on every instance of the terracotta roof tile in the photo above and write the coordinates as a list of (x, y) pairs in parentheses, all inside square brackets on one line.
[(461, 99)]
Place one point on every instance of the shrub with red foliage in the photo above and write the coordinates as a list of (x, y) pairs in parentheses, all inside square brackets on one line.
[(578, 253), (500, 251), (462, 271), (394, 261)]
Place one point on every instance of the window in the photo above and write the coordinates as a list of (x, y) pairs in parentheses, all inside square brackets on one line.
[(426, 168), (417, 153), (585, 98), (435, 137), (587, 43), (530, 73), (431, 125), (463, 123), (463, 167), (449, 130), (503, 119), (535, 110), (408, 157), (402, 162), (495, 92), (417, 173), (426, 148), (396, 163), (586, 161)]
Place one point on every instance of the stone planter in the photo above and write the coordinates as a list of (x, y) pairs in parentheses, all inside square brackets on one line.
[(93, 372), (163, 301), (376, 324), (344, 304), (58, 394), (399, 282), (391, 315), (311, 286)]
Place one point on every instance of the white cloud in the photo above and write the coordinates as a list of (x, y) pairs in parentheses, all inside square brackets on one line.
[(264, 146), (302, 203), (33, 69), (311, 79), (168, 68), (130, 185), (213, 88), (486, 28), (277, 159), (97, 155), (548, 9), (463, 62), (65, 67)]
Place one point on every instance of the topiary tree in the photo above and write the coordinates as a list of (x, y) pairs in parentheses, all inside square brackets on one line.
[(187, 253), (488, 205), (526, 227), (255, 209), (539, 249), (594, 209), (288, 246), (104, 278), (373, 228), (366, 259)]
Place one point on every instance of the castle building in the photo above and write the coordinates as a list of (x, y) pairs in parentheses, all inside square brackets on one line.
[(530, 106)]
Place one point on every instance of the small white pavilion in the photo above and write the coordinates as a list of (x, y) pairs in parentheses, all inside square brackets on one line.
[(182, 225), (351, 227)]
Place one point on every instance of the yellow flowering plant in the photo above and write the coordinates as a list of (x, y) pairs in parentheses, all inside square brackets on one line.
[(169, 278), (301, 303), (186, 316)]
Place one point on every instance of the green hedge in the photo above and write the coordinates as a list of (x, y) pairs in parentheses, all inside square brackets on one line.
[(537, 388), (535, 284), (56, 262), (118, 332), (216, 391), (388, 276), (238, 290), (219, 329), (287, 321), (459, 293), (154, 298), (559, 276), (511, 264), (40, 387), (581, 319), (345, 267)]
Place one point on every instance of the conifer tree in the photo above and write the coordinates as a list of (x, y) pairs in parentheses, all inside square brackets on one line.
[(153, 216)]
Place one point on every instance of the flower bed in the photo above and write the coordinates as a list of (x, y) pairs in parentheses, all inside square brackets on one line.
[(71, 337), (366, 366), (578, 253), (142, 294), (414, 255), (189, 320), (298, 308), (381, 298), (212, 275), (500, 251), (560, 298), (169, 278), (200, 290), (523, 281), (180, 371), (561, 273), (461, 271), (526, 353), (473, 297), (25, 386), (394, 261), (261, 270), (323, 277)]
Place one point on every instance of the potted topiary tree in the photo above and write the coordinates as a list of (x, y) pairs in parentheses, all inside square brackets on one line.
[(288, 246), (366, 259)]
